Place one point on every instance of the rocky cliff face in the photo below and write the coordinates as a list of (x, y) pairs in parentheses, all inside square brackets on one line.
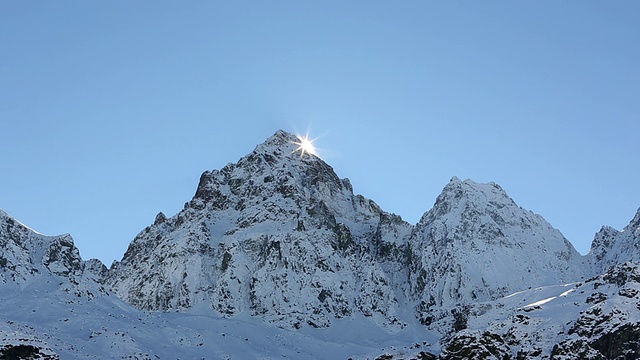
[(595, 319), (26, 253), (598, 318)]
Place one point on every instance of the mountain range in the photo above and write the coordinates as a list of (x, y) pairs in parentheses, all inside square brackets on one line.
[(276, 257)]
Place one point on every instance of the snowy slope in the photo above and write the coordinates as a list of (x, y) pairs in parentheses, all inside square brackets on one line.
[(43, 315), (62, 325)]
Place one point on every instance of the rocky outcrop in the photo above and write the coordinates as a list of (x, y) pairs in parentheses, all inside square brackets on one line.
[(611, 247), (27, 254), (25, 351)]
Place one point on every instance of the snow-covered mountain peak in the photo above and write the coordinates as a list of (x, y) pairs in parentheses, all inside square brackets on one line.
[(283, 148), (278, 235), (275, 172), (476, 243), (282, 141), (464, 196), (6, 217), (30, 259)]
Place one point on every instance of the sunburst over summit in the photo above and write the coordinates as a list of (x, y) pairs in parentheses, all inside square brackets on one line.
[(305, 145)]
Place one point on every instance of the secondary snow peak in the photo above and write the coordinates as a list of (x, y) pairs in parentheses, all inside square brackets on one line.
[(476, 243), (465, 197)]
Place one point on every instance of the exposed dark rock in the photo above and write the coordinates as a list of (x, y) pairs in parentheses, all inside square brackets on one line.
[(484, 346), (24, 352), (575, 349), (623, 343), (460, 317), (160, 218)]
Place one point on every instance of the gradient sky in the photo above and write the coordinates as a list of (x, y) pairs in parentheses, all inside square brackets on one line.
[(111, 110)]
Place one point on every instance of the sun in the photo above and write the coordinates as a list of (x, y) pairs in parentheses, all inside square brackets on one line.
[(305, 145)]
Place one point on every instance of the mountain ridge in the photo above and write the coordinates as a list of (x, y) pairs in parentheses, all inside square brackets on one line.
[(247, 207), (278, 237)]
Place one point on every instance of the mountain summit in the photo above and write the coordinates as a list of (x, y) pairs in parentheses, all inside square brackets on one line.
[(278, 235)]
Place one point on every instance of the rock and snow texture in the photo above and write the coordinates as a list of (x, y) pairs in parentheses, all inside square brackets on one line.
[(611, 247), (476, 244), (595, 319), (27, 255), (277, 235)]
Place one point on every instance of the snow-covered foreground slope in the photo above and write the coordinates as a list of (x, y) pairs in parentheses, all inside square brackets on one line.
[(41, 314), (577, 320)]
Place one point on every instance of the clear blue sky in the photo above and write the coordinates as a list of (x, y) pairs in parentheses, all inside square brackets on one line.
[(111, 110)]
